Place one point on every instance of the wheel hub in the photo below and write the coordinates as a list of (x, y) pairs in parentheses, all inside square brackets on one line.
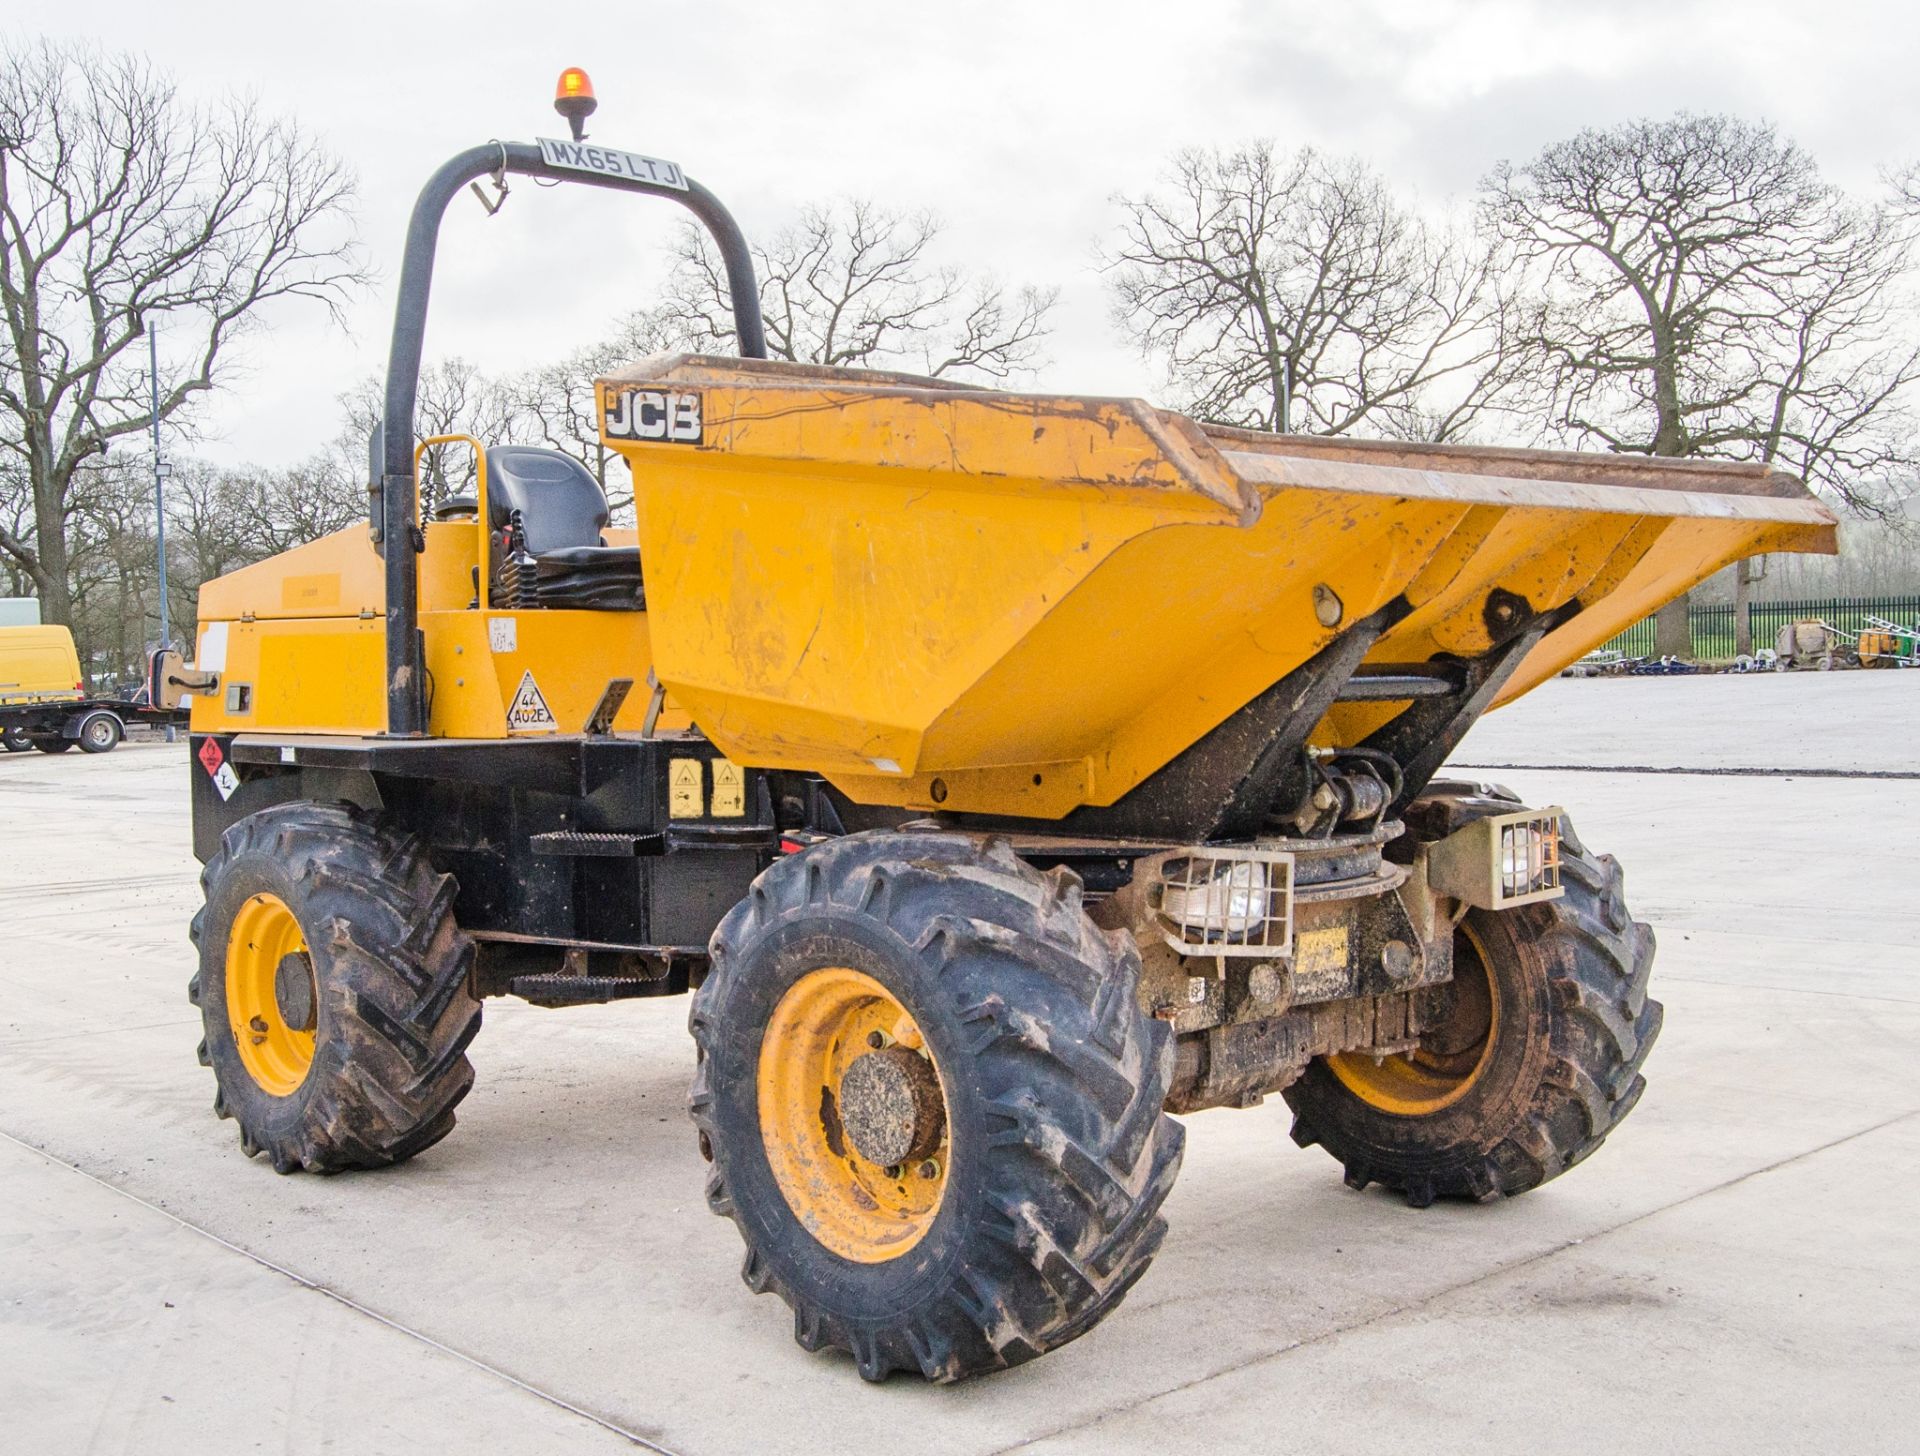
[(293, 990), (270, 999), (1451, 1055), (853, 1119), (891, 1108)]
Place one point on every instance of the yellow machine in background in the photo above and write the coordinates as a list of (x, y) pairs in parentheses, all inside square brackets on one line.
[(1005, 771), (38, 665), (44, 703)]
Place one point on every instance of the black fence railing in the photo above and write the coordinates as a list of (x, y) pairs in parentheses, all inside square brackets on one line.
[(1713, 635)]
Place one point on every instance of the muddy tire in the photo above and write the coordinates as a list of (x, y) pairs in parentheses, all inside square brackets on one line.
[(1554, 1074), (1041, 1205), (333, 989)]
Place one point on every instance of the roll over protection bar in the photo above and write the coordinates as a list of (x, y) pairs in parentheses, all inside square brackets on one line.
[(391, 462)]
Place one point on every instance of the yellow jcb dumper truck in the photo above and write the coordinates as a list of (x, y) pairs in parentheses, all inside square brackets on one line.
[(1001, 772)]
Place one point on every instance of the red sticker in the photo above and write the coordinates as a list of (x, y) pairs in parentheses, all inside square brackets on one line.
[(211, 757)]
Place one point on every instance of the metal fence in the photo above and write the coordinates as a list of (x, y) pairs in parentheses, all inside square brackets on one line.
[(1713, 625)]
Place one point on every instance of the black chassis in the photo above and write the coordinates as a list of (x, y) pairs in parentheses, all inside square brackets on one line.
[(580, 882), (574, 878)]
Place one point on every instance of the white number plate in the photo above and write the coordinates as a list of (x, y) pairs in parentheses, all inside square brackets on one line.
[(606, 162)]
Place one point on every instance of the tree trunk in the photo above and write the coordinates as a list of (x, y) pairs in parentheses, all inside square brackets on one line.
[(50, 547), (1743, 610), (1673, 628)]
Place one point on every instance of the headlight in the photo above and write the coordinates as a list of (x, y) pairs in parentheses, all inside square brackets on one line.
[(1225, 896), (1529, 857)]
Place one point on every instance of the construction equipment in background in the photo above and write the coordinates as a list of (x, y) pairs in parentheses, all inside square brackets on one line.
[(44, 702), (1811, 642), (1884, 643), (1004, 771)]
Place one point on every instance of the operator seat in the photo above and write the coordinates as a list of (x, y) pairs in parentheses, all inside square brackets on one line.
[(546, 513)]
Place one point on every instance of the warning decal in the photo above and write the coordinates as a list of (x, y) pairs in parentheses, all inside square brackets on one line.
[(729, 790), (529, 712), (684, 789), (214, 760)]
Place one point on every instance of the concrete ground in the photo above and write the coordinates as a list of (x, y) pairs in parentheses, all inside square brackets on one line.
[(1735, 1270)]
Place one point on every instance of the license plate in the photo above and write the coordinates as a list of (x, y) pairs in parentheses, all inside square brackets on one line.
[(607, 162)]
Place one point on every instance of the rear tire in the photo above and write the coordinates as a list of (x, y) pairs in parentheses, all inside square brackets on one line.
[(1056, 1154), (1557, 1071), (369, 1067), (101, 733), (16, 740), (53, 743)]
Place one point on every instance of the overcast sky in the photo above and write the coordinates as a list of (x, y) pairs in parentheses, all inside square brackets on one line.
[(1016, 122)]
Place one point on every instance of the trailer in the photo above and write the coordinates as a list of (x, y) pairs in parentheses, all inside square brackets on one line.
[(54, 719)]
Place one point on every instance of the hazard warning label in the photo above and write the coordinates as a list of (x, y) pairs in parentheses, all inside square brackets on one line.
[(529, 713), (729, 790), (684, 788), (214, 760)]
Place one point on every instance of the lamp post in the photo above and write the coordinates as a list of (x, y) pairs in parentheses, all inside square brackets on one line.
[(161, 470)]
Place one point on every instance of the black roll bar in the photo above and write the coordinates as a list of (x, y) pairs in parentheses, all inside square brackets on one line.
[(398, 522)]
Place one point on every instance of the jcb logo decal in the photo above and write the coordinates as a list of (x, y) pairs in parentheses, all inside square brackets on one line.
[(651, 414)]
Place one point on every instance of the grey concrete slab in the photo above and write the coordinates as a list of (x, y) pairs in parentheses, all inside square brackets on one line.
[(1766, 720), (122, 1329), (1599, 1346), (559, 1237)]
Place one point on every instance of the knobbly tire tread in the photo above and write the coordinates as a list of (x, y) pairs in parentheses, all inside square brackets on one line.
[(1595, 961), (1056, 1215), (393, 973)]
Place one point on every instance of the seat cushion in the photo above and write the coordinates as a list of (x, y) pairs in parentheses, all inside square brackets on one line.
[(590, 558), (590, 578)]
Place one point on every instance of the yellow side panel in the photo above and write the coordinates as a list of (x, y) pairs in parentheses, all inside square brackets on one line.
[(326, 675), (477, 662), (341, 576)]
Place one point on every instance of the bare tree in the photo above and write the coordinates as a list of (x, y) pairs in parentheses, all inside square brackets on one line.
[(1705, 292), (555, 405), (1296, 292), (455, 397), (123, 206), (852, 284)]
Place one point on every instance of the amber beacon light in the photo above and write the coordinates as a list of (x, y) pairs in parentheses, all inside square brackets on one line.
[(573, 99)]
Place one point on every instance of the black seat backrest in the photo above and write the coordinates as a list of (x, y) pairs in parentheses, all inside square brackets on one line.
[(559, 501)]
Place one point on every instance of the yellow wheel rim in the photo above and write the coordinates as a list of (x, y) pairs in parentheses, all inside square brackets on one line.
[(859, 1209), (276, 1055), (1439, 1072)]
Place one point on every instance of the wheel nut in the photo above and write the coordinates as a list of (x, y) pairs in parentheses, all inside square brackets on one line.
[(893, 1170), (929, 1169)]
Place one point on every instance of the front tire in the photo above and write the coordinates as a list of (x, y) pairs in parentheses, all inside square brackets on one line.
[(1537, 1062), (1023, 1082), (333, 990)]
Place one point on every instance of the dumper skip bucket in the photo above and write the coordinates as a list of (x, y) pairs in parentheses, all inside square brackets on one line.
[(1023, 604)]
